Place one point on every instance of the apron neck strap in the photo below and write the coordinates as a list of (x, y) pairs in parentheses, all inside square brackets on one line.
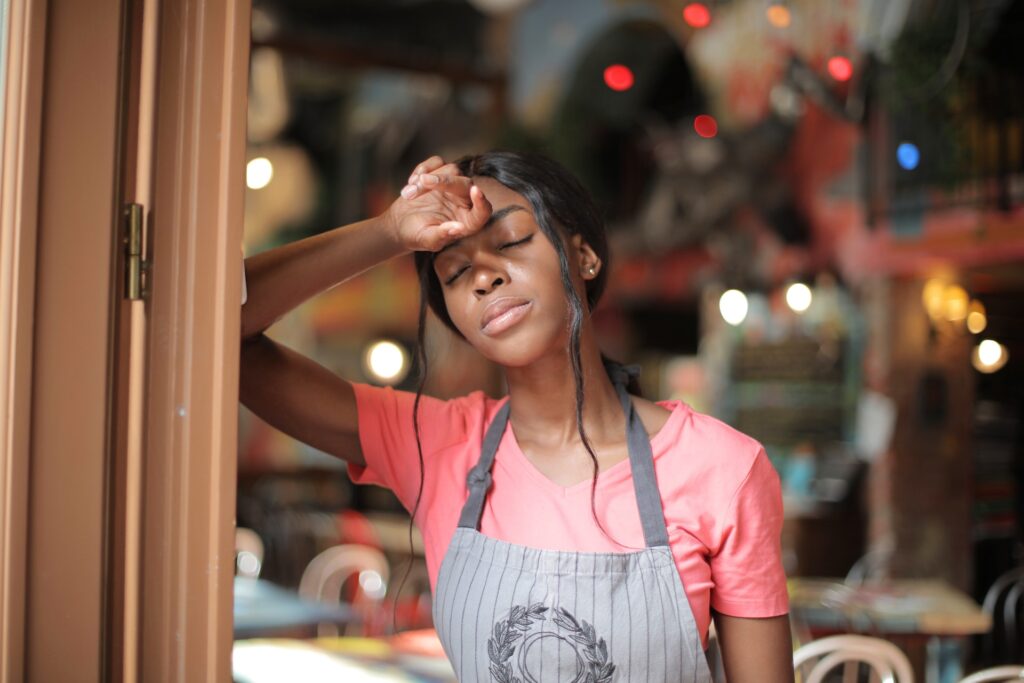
[(641, 462)]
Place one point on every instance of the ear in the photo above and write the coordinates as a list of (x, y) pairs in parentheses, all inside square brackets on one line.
[(588, 263)]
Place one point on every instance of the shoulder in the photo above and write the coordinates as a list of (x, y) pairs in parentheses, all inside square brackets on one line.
[(707, 450), (444, 421)]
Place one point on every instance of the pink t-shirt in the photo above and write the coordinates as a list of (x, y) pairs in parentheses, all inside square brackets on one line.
[(721, 496)]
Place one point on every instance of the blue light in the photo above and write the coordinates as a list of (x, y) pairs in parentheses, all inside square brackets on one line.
[(908, 155)]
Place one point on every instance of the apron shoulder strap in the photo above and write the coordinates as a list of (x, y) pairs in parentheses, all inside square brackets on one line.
[(478, 481)]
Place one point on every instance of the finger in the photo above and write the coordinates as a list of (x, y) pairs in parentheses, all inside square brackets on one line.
[(410, 191), (448, 169), (480, 209), (433, 163), (453, 190)]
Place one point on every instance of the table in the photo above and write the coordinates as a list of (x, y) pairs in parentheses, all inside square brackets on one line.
[(413, 656), (264, 608), (930, 609)]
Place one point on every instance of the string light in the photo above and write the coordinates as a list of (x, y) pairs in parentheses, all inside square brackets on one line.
[(697, 15), (618, 77), (706, 126)]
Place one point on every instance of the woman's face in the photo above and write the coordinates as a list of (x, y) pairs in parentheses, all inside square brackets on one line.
[(502, 286)]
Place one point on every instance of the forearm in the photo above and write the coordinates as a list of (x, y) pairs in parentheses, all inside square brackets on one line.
[(280, 279)]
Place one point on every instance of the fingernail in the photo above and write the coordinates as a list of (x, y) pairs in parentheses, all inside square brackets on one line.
[(413, 178), (429, 179), (409, 191)]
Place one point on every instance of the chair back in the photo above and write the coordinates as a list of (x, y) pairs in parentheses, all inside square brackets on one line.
[(997, 674), (248, 553), (327, 574), (1003, 604), (885, 661)]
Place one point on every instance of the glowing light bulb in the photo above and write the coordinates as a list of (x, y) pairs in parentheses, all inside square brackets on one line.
[(733, 306), (989, 356), (387, 361), (798, 297), (258, 173)]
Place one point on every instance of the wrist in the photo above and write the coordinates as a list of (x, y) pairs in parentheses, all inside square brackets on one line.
[(387, 224)]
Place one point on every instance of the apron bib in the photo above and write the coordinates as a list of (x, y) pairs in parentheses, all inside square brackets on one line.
[(510, 613)]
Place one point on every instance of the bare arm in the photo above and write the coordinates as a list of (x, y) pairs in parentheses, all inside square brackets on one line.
[(290, 391), (755, 650)]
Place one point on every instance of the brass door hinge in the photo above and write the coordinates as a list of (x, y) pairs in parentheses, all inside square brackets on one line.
[(136, 267)]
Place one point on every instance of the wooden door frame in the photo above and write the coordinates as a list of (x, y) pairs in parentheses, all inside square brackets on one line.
[(195, 321), (19, 187), (60, 220)]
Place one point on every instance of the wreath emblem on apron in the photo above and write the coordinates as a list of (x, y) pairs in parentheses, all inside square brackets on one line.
[(592, 665)]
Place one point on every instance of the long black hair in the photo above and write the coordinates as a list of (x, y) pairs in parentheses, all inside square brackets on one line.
[(562, 207)]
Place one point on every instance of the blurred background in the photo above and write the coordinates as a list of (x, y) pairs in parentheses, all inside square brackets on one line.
[(817, 218)]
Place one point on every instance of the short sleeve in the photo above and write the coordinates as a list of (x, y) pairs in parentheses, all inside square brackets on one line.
[(747, 572), (388, 439)]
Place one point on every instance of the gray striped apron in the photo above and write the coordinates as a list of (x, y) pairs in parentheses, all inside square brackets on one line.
[(511, 613)]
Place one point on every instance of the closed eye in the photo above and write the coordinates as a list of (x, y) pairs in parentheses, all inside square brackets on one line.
[(517, 243), (463, 269), (455, 276)]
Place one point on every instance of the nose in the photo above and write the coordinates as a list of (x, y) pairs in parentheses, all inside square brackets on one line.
[(488, 277), (487, 283)]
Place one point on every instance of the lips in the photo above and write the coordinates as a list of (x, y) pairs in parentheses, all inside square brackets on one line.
[(503, 313)]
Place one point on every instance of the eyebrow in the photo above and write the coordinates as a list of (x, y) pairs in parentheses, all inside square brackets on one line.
[(495, 217)]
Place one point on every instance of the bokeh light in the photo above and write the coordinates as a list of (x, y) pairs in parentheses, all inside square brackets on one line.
[(387, 362), (778, 15), (706, 126), (618, 77), (908, 155), (989, 356), (840, 68), (258, 173), (798, 297), (976, 318), (697, 14), (733, 306)]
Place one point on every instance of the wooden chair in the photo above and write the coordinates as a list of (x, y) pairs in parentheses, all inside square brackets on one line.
[(997, 674), (328, 573), (248, 553), (1003, 604), (885, 661)]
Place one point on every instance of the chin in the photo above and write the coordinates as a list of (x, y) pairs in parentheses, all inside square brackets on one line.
[(522, 347)]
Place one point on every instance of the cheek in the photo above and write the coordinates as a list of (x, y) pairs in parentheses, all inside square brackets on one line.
[(455, 312)]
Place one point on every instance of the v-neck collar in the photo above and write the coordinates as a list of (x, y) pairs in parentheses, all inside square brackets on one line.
[(616, 472)]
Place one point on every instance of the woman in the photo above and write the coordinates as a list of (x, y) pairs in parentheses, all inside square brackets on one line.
[(574, 531)]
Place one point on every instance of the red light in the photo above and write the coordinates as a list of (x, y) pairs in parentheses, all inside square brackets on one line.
[(840, 68), (706, 126), (618, 77), (697, 15)]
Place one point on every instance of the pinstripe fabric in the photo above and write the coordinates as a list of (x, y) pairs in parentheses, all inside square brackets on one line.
[(506, 612)]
